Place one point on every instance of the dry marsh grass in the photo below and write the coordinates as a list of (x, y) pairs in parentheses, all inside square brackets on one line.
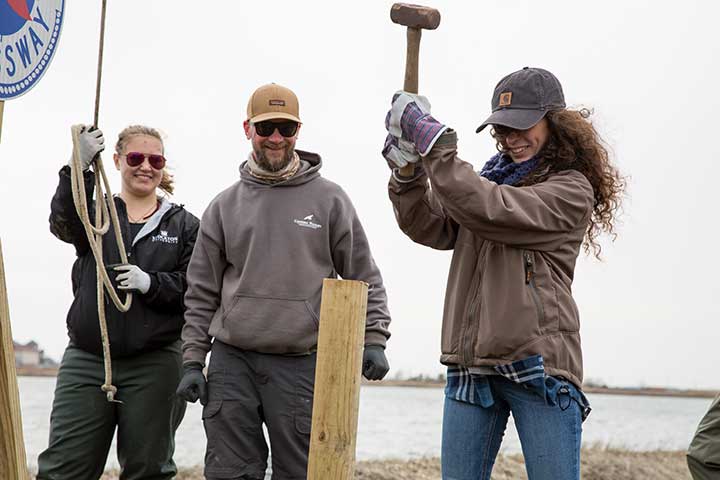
[(596, 464)]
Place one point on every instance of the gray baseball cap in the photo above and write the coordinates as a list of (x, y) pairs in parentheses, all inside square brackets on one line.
[(522, 99)]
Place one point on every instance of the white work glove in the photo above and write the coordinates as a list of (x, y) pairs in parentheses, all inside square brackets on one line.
[(90, 142), (132, 278)]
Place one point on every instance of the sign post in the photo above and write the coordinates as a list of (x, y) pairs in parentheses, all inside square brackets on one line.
[(12, 448), (29, 34)]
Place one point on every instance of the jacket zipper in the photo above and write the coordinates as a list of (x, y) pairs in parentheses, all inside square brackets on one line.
[(124, 234), (467, 353), (530, 281)]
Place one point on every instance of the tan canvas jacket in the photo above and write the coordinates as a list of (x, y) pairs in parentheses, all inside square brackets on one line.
[(509, 291)]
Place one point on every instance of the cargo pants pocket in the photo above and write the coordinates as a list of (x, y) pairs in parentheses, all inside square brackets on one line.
[(304, 394)]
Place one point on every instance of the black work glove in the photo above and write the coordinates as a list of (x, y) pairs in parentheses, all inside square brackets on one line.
[(375, 364), (193, 384)]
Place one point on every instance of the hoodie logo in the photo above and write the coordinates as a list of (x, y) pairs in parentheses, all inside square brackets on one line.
[(164, 237), (307, 222)]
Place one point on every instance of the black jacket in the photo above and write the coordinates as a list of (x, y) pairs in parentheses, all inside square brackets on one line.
[(155, 318)]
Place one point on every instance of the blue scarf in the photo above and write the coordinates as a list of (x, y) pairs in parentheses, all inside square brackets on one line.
[(503, 171)]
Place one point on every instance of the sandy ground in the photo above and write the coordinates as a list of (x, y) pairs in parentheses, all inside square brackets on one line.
[(597, 464)]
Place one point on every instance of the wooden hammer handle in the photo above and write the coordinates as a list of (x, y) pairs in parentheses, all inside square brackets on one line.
[(411, 76), (412, 59)]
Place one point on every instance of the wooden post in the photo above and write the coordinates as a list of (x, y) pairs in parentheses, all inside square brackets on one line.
[(12, 448), (2, 107), (337, 380)]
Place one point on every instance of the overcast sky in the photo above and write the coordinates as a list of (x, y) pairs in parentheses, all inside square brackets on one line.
[(649, 311)]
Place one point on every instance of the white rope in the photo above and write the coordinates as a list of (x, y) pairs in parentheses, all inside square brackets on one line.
[(94, 236), (102, 217)]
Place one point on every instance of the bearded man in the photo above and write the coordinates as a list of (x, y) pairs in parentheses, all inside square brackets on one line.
[(254, 285)]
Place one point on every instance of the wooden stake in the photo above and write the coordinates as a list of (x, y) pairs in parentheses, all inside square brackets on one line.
[(2, 107), (13, 463), (337, 380)]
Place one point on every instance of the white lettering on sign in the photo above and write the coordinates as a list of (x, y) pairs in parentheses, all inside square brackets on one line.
[(29, 33)]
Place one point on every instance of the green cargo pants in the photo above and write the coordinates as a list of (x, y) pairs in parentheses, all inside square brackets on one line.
[(83, 422), (703, 456)]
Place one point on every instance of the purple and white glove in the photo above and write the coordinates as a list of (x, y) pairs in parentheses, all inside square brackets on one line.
[(409, 119), (399, 152)]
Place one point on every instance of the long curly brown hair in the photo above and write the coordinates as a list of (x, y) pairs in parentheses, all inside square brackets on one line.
[(574, 144)]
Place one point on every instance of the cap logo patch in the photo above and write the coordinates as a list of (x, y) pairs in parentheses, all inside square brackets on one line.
[(505, 99), (277, 103)]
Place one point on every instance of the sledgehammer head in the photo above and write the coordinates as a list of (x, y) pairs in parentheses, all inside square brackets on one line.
[(415, 16)]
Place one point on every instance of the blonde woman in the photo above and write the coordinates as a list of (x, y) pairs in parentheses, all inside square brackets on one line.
[(145, 342)]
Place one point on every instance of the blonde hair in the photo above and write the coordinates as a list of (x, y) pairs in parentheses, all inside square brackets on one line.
[(167, 183)]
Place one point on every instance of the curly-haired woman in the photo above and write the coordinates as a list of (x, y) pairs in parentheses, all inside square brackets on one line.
[(510, 334)]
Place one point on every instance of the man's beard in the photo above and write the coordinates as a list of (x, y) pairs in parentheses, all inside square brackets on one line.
[(264, 163)]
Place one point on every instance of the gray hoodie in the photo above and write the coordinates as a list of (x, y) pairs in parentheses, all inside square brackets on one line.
[(262, 252)]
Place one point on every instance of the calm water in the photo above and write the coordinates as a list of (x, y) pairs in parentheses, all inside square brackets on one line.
[(405, 422)]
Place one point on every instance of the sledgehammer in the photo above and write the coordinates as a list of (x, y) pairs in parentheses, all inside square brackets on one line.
[(416, 18)]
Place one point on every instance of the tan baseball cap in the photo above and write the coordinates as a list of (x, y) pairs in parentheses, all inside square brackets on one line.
[(273, 101)]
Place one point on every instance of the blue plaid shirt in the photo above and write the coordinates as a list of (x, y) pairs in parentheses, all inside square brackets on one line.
[(464, 386)]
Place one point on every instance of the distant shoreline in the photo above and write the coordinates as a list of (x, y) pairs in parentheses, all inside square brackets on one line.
[(36, 371), (644, 391), (653, 392)]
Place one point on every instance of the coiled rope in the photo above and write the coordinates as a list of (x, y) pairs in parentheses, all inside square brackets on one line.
[(103, 217)]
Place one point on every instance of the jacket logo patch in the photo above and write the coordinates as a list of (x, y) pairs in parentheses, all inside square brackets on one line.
[(505, 99), (164, 238), (307, 222)]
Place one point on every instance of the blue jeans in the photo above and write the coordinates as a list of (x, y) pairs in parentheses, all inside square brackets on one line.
[(550, 435)]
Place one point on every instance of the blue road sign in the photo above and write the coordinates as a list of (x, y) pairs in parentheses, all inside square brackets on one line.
[(29, 34)]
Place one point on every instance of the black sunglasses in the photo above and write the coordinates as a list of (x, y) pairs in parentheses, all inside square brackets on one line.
[(135, 159), (267, 128)]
